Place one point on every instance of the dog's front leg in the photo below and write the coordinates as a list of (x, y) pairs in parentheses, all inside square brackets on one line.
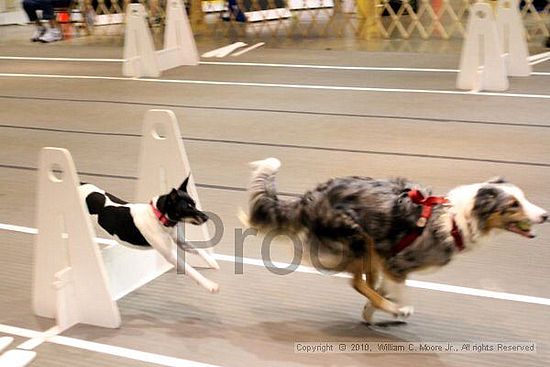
[(380, 300), (386, 287), (165, 246), (394, 290), (374, 297), (198, 277), (201, 252)]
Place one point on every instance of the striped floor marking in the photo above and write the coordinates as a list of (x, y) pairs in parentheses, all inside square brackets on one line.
[(440, 287), (279, 85), (276, 65), (136, 355)]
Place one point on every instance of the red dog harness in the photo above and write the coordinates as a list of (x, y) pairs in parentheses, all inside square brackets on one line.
[(167, 222), (427, 208)]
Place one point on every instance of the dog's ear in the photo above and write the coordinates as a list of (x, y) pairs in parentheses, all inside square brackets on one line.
[(173, 195), (183, 186), (487, 201), (497, 180)]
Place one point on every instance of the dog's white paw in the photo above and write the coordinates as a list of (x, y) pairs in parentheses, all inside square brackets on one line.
[(368, 312), (209, 285), (404, 312), (213, 288)]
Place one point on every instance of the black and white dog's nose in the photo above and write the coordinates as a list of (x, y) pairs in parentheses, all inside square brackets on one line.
[(544, 217)]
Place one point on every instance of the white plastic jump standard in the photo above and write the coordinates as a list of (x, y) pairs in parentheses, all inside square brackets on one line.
[(74, 280), (140, 57), (512, 35), (163, 164), (482, 65), (70, 280)]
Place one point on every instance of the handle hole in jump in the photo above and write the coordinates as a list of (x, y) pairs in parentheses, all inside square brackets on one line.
[(55, 173), (159, 131), (481, 14)]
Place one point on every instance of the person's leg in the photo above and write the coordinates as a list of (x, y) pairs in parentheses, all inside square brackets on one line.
[(47, 9), (30, 7), (54, 33)]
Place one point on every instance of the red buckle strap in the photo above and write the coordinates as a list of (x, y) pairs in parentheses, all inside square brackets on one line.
[(427, 209), (167, 222), (427, 205)]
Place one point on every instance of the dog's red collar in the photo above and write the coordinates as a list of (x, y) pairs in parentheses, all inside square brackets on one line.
[(427, 208), (167, 222), (459, 241)]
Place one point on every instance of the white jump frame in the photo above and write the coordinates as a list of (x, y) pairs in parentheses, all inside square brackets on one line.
[(76, 280), (494, 48), (140, 57)]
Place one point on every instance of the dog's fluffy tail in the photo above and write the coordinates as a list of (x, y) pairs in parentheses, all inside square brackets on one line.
[(266, 210)]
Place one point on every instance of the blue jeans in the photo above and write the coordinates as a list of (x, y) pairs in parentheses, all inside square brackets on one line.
[(47, 6)]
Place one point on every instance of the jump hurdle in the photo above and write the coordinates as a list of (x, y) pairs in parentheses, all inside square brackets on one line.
[(163, 163), (494, 47), (140, 57), (76, 280), (513, 38)]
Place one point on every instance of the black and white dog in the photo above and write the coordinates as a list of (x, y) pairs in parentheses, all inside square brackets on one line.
[(386, 229), (152, 225)]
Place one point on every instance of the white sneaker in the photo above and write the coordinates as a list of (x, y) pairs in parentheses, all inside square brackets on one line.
[(38, 33), (51, 35)]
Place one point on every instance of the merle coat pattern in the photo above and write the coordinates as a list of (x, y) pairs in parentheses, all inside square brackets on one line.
[(359, 221)]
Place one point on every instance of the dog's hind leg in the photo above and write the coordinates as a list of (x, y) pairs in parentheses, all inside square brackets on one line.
[(373, 276)]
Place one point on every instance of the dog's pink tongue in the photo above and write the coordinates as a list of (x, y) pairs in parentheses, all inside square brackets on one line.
[(527, 233)]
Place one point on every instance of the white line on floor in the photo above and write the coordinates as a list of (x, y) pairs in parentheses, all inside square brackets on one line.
[(69, 59), (310, 270), (128, 353), (337, 67), (5, 342), (29, 230), (275, 85), (25, 333), (35, 342), (411, 283), (262, 64)]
